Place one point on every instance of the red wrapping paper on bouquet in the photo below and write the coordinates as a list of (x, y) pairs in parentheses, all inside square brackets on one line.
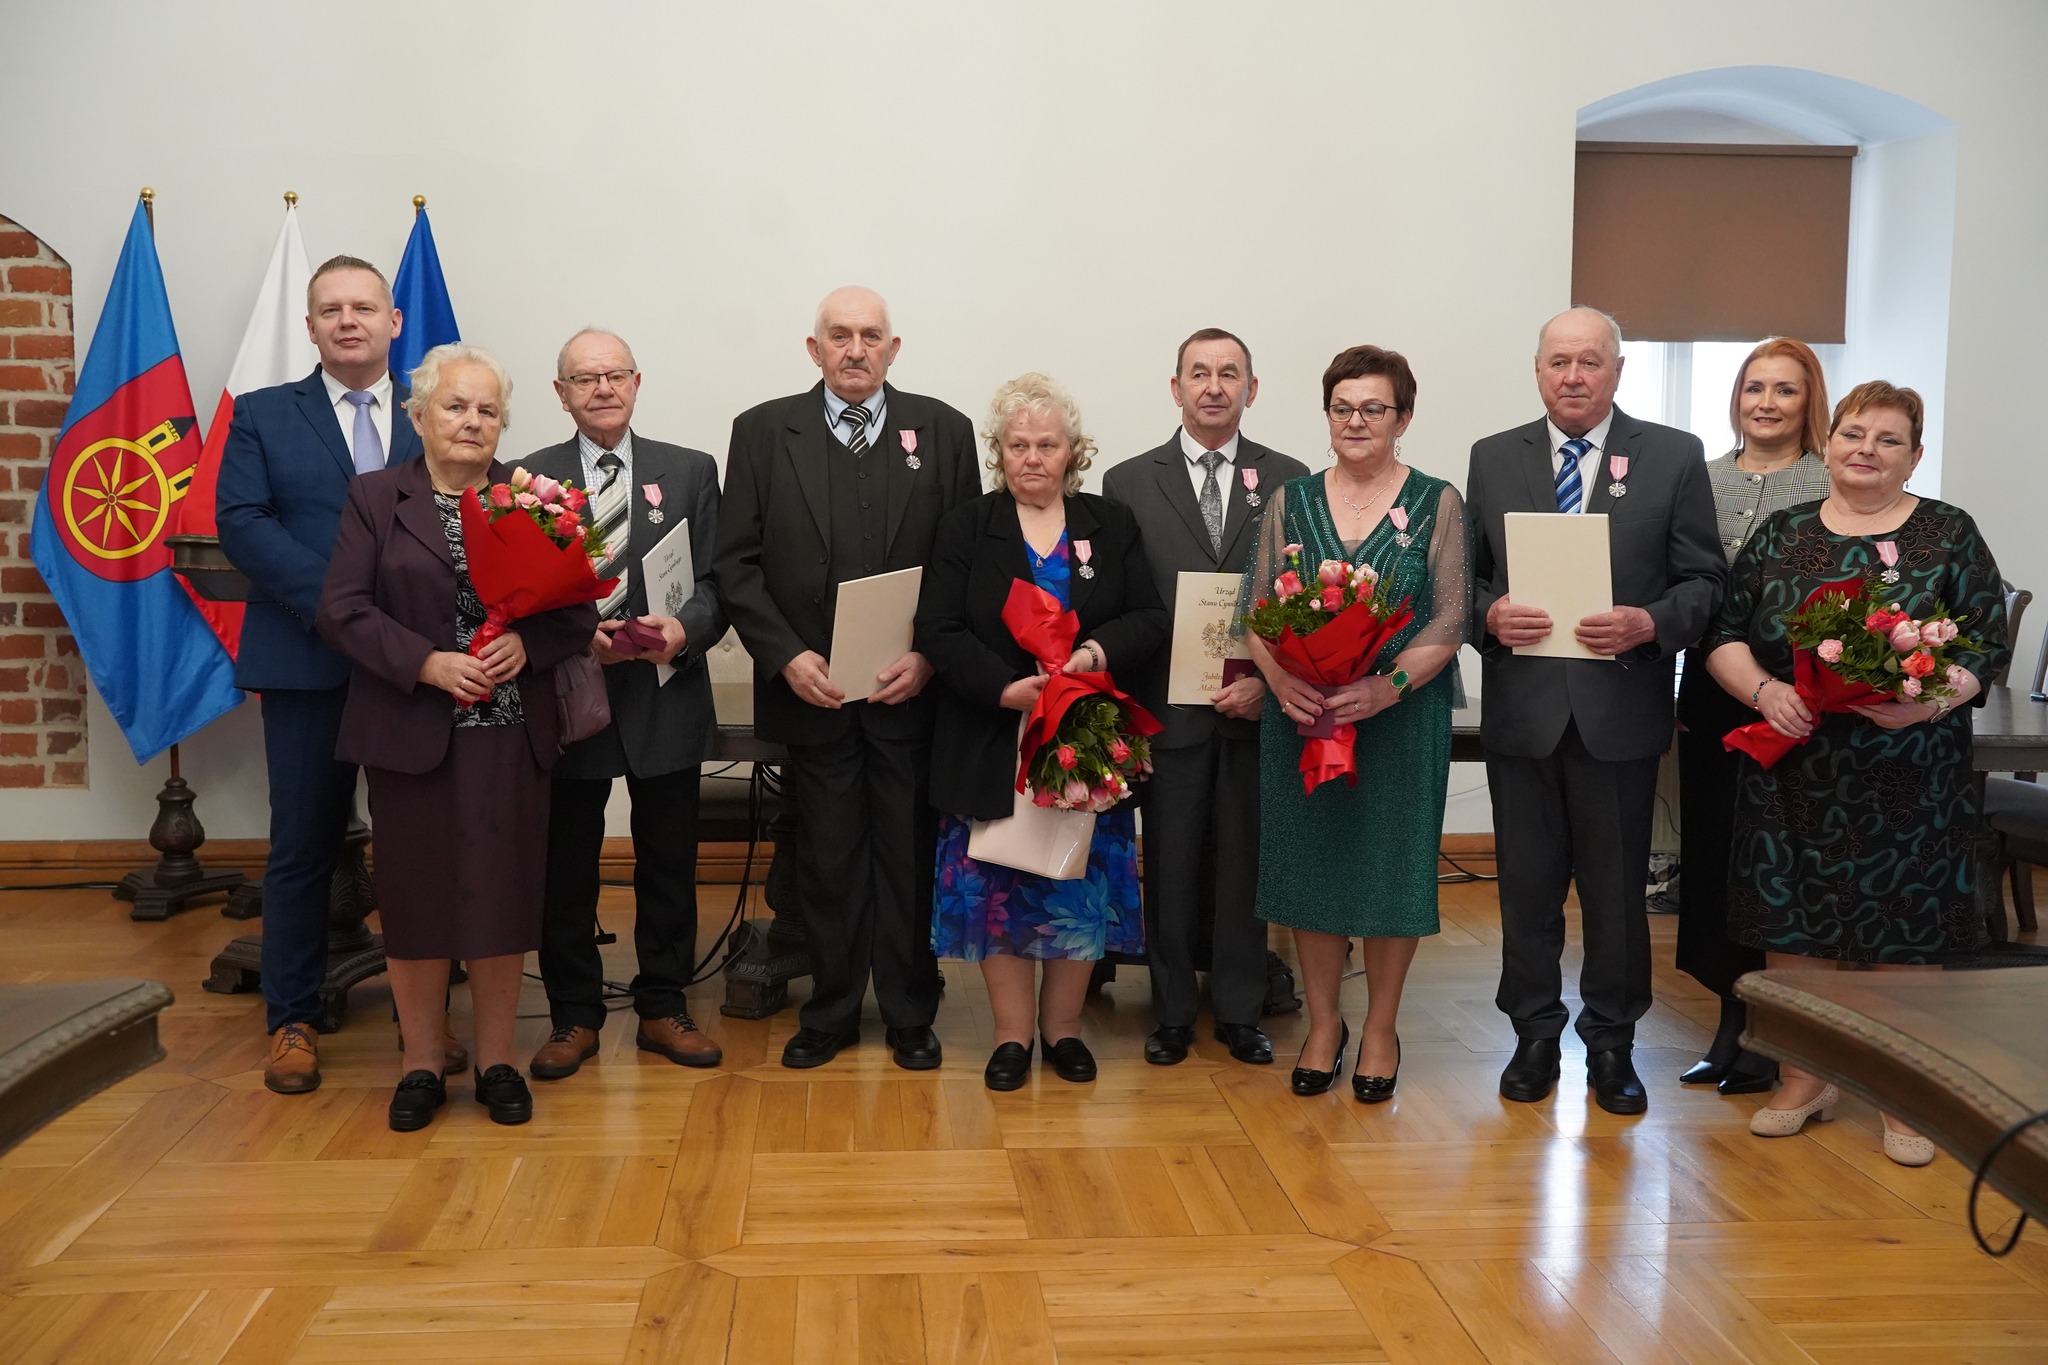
[(518, 571), (1047, 632), (1340, 652), (1822, 689)]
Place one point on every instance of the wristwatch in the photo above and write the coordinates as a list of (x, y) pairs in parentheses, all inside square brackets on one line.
[(1399, 678)]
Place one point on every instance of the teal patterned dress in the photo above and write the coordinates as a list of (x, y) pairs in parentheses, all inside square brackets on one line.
[(1860, 845), (1361, 861)]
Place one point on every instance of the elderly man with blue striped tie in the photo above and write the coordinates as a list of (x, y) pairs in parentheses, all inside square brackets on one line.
[(640, 490), (1572, 744)]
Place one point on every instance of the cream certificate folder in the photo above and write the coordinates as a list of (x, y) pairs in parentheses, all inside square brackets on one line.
[(669, 576), (1558, 561), (1203, 605), (871, 629)]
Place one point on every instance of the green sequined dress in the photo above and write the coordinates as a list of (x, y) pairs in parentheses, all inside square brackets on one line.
[(1362, 860)]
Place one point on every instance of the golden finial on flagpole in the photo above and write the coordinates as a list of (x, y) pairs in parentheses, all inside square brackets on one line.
[(419, 204), (291, 199), (149, 204)]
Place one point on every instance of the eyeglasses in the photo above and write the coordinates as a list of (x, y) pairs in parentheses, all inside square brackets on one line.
[(584, 383), (1341, 413)]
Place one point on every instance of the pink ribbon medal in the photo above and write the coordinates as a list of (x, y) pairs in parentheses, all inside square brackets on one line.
[(652, 492), (909, 439), (1399, 516), (1081, 552), (1888, 551), (1617, 470), (1251, 487)]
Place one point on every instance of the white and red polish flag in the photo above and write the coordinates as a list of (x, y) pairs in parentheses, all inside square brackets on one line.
[(275, 350)]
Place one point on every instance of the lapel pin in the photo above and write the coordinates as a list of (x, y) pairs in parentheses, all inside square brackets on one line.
[(1888, 551), (1082, 550), (909, 439), (1617, 470), (1251, 487), (652, 492), (1399, 517)]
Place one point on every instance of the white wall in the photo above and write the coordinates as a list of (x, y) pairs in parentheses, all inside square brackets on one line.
[(1063, 186)]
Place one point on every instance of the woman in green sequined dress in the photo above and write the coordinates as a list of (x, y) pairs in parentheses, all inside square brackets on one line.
[(1346, 861)]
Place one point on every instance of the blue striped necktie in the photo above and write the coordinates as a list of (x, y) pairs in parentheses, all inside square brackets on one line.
[(1569, 489)]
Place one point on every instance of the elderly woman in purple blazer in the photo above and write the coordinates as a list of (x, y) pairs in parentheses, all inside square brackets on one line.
[(457, 749)]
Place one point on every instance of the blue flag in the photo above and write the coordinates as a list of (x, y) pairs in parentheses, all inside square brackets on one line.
[(422, 297), (122, 463)]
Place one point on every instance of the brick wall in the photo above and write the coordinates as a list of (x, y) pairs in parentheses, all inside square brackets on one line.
[(42, 682)]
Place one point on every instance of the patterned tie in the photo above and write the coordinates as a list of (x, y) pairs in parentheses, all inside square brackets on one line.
[(611, 505), (1212, 501), (1569, 490), (857, 415), (369, 445)]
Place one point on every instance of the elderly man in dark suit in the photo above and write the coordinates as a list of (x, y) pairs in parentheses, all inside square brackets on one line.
[(661, 732), (844, 481), (1572, 744), (1196, 499), (292, 453)]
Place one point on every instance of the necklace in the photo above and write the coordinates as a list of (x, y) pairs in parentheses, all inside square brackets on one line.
[(1372, 488)]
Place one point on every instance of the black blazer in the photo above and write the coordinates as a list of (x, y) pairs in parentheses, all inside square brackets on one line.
[(774, 556), (980, 549), (656, 729)]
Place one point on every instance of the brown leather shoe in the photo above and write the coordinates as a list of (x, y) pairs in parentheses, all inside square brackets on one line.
[(678, 1039), (565, 1051), (294, 1064), (454, 1056)]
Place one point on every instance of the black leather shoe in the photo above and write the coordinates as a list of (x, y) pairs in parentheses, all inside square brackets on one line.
[(1531, 1071), (1307, 1081), (1375, 1089), (1009, 1066), (1705, 1071), (419, 1094), (1751, 1075), (915, 1048), (1168, 1045), (810, 1047), (1071, 1060), (1612, 1075), (1247, 1043), (503, 1091)]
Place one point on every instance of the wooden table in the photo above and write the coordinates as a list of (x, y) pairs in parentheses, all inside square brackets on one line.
[(1959, 1055)]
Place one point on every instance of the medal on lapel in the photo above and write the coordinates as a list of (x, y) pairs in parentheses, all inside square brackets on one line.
[(1251, 487), (910, 450), (1081, 552), (1399, 516), (652, 492), (1617, 470), (1888, 551)]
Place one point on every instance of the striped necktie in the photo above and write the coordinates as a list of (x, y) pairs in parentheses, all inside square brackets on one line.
[(611, 505), (857, 415), (1569, 490)]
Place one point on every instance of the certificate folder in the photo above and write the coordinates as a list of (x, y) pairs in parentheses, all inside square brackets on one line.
[(1558, 561), (1203, 647), (871, 629)]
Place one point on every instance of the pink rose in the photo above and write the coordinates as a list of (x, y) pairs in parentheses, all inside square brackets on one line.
[(1076, 793), (1365, 573), (1917, 665), (501, 496), (1065, 755), (1881, 621), (1830, 651), (568, 524), (1287, 584), (1333, 599), (1291, 551), (545, 488), (1905, 637), (574, 498), (1333, 573), (1044, 799), (1939, 632), (1119, 751), (526, 500), (1910, 688), (520, 478)]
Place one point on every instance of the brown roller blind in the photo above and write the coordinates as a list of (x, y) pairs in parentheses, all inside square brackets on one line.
[(1709, 241)]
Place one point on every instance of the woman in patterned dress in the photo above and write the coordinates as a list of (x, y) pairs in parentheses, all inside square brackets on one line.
[(1038, 526), (1860, 845), (1779, 411), (1347, 862)]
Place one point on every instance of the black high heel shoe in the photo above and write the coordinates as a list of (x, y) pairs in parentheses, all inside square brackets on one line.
[(1375, 1089), (1307, 1082), (1723, 1052)]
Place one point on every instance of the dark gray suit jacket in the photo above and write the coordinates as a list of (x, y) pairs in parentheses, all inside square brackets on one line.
[(1665, 548), (655, 729), (1156, 487)]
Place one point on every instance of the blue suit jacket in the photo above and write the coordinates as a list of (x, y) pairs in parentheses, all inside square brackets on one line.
[(284, 476)]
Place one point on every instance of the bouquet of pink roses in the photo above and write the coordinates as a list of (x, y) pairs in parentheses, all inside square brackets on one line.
[(1092, 758), (1851, 648), (529, 550), (557, 508)]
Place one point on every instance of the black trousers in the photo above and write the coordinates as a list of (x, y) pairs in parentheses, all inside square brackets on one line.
[(1707, 775), (1204, 799), (664, 826), (1569, 817), (311, 795), (869, 839)]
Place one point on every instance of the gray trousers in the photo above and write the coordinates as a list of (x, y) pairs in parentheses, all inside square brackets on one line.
[(1203, 801)]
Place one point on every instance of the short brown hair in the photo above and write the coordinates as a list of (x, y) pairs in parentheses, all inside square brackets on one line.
[(1813, 431), (1213, 334), (1880, 393), (1360, 362), (334, 263)]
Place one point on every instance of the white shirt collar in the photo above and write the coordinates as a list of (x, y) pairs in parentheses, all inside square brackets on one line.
[(1597, 436), (380, 392), (1194, 450), (877, 406), (591, 452)]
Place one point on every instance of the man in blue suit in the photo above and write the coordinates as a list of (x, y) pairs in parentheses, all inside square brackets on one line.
[(284, 475)]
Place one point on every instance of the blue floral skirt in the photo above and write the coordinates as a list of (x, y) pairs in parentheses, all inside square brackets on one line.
[(982, 909)]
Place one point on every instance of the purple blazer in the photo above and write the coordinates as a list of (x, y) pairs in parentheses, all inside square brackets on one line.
[(389, 601)]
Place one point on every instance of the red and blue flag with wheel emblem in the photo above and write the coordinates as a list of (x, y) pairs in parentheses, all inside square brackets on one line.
[(122, 463)]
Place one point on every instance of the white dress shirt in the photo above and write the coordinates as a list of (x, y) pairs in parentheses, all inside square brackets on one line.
[(1195, 450), (591, 452), (1589, 463), (877, 405), (345, 411)]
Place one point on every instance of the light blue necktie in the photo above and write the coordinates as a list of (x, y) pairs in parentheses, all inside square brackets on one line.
[(1569, 490), (369, 445)]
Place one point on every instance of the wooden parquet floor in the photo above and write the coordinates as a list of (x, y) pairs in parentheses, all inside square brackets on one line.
[(857, 1213)]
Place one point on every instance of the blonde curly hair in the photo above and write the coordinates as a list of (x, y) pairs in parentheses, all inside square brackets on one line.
[(1037, 395)]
